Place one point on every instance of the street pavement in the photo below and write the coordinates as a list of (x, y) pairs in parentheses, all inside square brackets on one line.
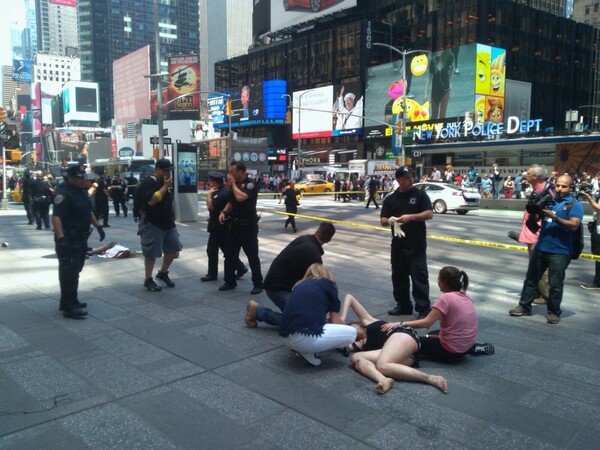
[(179, 369)]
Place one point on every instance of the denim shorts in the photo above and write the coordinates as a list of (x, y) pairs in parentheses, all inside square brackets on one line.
[(156, 241)]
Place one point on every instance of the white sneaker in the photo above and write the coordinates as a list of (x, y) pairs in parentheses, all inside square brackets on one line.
[(311, 358)]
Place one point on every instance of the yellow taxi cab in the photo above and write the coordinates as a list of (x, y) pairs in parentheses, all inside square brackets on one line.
[(314, 185)]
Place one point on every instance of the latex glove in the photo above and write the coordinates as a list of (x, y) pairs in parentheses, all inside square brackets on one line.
[(101, 233)]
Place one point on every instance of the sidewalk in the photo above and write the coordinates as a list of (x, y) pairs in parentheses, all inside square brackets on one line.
[(178, 369)]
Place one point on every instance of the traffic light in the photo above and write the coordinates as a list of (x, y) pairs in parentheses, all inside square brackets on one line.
[(2, 114)]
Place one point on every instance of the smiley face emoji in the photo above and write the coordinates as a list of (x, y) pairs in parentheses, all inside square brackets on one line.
[(419, 65)]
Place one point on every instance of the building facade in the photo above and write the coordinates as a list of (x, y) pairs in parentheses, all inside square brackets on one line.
[(57, 27), (109, 31)]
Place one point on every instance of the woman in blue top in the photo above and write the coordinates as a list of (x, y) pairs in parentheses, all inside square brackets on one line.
[(304, 322)]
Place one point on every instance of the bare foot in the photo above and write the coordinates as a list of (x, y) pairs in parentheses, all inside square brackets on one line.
[(384, 385), (439, 382)]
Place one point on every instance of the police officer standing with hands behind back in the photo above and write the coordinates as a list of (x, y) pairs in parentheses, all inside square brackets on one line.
[(242, 220), (71, 219)]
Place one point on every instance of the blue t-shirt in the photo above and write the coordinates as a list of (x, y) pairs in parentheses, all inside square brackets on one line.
[(486, 185), (555, 238), (306, 310)]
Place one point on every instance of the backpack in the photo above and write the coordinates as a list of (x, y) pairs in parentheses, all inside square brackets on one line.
[(577, 235)]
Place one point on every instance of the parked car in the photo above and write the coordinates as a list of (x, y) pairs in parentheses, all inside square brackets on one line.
[(314, 186), (446, 197), (314, 5)]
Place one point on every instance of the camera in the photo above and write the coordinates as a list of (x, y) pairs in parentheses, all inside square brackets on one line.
[(584, 189), (539, 201)]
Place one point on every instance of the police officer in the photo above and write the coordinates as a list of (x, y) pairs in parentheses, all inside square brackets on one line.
[(242, 219), (290, 195), (40, 196), (26, 197), (118, 193), (216, 199), (101, 199), (71, 219)]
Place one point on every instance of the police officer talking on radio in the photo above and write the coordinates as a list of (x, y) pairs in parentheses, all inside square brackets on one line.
[(71, 218), (241, 219)]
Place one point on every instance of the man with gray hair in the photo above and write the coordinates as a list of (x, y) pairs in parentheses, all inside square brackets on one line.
[(347, 111)]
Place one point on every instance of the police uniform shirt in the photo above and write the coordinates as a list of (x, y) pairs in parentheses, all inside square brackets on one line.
[(219, 200), (101, 187), (162, 213), (290, 196), (73, 206), (116, 191), (414, 201), (247, 208)]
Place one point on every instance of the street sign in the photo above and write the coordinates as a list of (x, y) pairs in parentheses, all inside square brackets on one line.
[(165, 131), (417, 154), (154, 140)]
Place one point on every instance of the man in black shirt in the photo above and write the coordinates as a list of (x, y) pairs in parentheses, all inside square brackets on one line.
[(405, 211), (286, 270), (40, 197), (373, 188), (26, 197), (101, 199), (156, 226), (290, 194), (118, 193)]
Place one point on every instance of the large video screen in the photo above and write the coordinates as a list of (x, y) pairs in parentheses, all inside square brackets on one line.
[(328, 111), (261, 104), (80, 101), (293, 12), (448, 83)]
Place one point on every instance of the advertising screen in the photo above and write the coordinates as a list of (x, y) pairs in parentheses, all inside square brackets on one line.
[(261, 104), (64, 2), (444, 84), (184, 78), (80, 101), (293, 12), (131, 88), (328, 111), (187, 172), (22, 70)]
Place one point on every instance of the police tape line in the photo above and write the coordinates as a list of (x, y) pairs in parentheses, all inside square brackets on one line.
[(519, 248)]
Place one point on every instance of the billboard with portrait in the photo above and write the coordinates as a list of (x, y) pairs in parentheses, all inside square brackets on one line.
[(22, 70), (328, 111), (293, 12), (184, 78), (439, 85), (260, 104)]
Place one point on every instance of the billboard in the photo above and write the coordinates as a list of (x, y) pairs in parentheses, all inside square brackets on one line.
[(184, 78), (293, 12), (131, 88), (469, 79), (328, 111), (49, 91), (22, 70), (261, 14), (260, 104), (80, 102), (64, 2)]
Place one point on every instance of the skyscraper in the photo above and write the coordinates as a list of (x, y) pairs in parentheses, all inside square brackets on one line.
[(109, 31), (56, 26), (30, 34)]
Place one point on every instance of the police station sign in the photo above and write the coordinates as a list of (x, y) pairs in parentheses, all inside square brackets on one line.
[(460, 129)]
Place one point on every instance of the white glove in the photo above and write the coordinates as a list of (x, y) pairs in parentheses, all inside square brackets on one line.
[(396, 228)]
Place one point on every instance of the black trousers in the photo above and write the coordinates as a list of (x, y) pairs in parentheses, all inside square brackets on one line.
[(373, 197), (102, 209), (291, 219), (40, 211), (242, 237), (70, 263), (595, 237), (217, 240), (118, 203), (410, 265)]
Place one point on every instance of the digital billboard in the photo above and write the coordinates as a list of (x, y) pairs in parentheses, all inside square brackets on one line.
[(80, 102), (22, 70), (64, 2), (49, 91), (293, 12), (328, 111), (131, 88), (439, 85), (260, 104), (184, 78)]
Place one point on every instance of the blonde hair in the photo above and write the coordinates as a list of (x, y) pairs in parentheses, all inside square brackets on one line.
[(315, 271)]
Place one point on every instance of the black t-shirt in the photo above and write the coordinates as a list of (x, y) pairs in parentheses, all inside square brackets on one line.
[(118, 188), (291, 264), (290, 196), (100, 194), (247, 208), (162, 213), (373, 185), (219, 200), (375, 337), (413, 201), (74, 207)]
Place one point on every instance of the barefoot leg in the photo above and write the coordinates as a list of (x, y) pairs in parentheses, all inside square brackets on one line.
[(384, 385), (439, 382)]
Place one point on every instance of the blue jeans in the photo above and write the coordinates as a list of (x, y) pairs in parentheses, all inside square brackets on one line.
[(557, 267), (267, 315)]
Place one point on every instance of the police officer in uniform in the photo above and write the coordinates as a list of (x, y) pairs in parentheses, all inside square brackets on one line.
[(242, 221), (118, 193), (216, 199), (101, 199), (71, 219), (41, 196), (290, 194)]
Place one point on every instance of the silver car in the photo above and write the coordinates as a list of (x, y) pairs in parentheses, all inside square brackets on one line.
[(446, 197)]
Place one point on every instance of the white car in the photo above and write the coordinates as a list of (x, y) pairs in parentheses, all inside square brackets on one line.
[(447, 197)]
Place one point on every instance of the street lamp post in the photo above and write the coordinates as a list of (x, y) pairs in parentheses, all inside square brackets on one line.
[(403, 53)]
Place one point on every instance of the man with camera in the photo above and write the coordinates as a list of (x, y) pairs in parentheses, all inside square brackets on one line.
[(552, 252), (594, 228)]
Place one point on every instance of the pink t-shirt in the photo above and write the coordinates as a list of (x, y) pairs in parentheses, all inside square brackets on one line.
[(458, 329)]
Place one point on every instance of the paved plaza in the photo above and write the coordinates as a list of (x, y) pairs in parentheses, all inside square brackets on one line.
[(179, 369)]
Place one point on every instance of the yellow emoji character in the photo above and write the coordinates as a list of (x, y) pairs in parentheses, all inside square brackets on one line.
[(416, 112), (419, 64), (480, 109), (495, 112), (497, 75), (482, 73)]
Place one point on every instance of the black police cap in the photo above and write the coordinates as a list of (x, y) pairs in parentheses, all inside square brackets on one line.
[(75, 171), (216, 175)]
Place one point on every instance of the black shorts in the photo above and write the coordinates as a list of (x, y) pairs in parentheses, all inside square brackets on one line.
[(431, 348)]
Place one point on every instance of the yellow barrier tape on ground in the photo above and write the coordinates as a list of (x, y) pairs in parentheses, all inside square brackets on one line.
[(518, 248)]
